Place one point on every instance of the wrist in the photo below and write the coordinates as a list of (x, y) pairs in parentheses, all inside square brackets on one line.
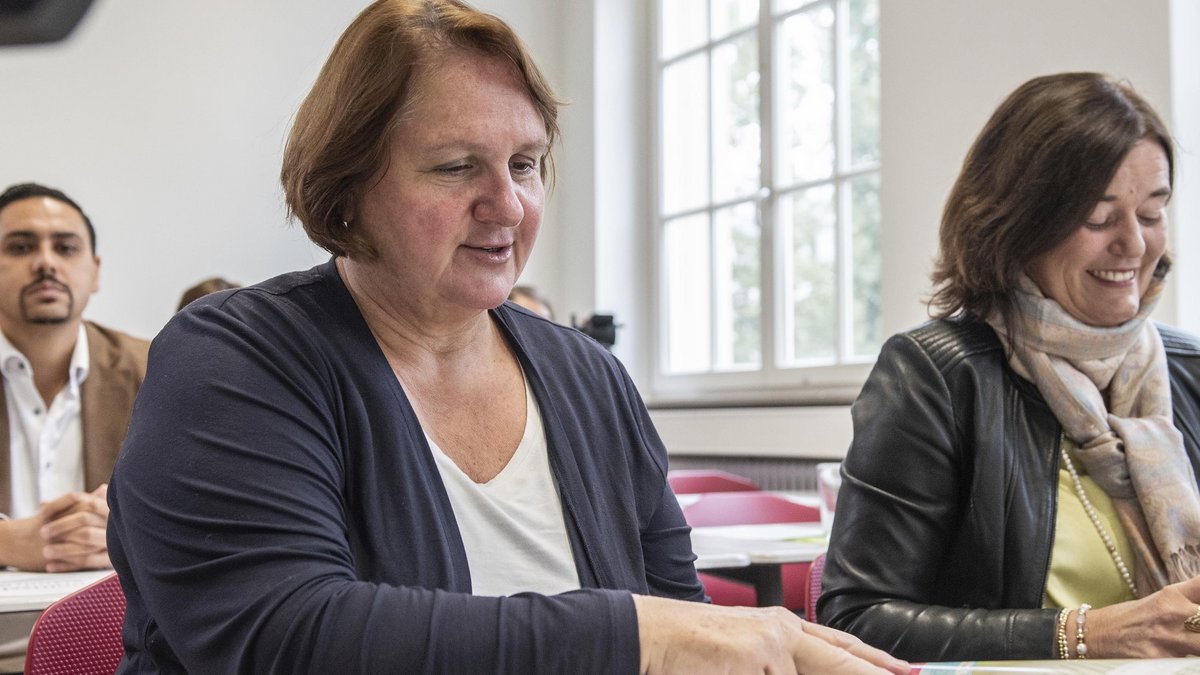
[(8, 543)]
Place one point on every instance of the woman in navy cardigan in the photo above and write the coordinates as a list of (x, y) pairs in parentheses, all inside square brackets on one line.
[(377, 465)]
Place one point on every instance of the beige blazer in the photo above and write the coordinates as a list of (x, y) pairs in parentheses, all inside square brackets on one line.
[(116, 367)]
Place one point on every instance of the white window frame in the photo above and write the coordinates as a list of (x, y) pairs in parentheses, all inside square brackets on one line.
[(825, 382)]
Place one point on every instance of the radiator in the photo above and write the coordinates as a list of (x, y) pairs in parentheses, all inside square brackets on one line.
[(771, 473)]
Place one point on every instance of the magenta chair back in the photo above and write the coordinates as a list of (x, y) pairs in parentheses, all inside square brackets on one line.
[(695, 481), (79, 634), (747, 508), (812, 587), (751, 508)]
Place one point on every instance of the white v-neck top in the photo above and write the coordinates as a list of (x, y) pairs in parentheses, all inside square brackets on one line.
[(512, 526)]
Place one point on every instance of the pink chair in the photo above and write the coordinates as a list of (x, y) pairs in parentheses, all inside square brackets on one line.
[(749, 508), (79, 634), (812, 587), (694, 481)]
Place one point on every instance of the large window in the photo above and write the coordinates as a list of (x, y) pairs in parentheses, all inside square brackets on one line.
[(768, 200)]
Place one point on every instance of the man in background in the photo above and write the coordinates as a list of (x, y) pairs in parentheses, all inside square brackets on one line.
[(69, 386)]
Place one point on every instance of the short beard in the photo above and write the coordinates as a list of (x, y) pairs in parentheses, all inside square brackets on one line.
[(42, 320), (45, 320)]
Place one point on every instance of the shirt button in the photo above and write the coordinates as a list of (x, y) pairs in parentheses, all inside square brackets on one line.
[(37, 411)]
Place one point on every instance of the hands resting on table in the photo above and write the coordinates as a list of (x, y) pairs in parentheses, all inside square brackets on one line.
[(66, 534), (689, 637)]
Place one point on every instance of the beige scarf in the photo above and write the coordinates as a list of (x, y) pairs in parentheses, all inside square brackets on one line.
[(1130, 446)]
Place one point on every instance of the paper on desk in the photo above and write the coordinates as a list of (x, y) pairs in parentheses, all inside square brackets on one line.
[(1112, 666), (24, 591), (767, 531)]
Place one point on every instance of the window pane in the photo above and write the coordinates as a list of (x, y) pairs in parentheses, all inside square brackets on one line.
[(681, 26), (864, 81), (686, 253), (865, 215), (685, 134), (784, 6), (808, 217), (736, 130), (731, 15), (806, 103), (738, 292)]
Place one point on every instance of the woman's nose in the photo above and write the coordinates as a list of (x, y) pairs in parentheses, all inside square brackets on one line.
[(500, 203), (1130, 241)]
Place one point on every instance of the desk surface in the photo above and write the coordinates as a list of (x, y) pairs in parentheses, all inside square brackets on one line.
[(1121, 666), (772, 543), (34, 591)]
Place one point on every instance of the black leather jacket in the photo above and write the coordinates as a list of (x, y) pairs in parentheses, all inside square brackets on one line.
[(945, 519)]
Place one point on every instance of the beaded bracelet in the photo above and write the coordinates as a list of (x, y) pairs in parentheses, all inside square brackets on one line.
[(1080, 640), (1061, 625)]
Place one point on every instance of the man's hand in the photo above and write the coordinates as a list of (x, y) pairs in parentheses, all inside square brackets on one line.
[(21, 544), (74, 531)]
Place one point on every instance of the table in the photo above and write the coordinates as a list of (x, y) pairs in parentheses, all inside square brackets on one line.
[(765, 548), (35, 591), (23, 596), (1121, 666)]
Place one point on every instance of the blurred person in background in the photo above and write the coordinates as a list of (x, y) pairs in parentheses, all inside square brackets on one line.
[(203, 288)]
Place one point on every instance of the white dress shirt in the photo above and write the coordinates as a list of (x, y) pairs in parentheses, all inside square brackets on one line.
[(45, 445)]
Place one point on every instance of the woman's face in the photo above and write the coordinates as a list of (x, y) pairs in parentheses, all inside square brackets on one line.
[(1100, 273), (457, 209)]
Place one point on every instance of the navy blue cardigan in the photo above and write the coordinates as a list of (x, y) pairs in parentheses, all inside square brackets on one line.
[(275, 507)]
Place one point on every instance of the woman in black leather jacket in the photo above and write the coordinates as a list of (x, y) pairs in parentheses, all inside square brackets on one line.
[(1033, 451)]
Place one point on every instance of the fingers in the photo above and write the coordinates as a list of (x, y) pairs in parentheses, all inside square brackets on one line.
[(686, 637), (815, 655), (73, 502), (81, 560), (65, 526), (857, 647), (1190, 589), (60, 505)]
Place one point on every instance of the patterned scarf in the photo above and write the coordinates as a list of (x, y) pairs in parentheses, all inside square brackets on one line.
[(1129, 444)]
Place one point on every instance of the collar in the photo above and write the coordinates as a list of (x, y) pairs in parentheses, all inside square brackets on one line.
[(15, 364)]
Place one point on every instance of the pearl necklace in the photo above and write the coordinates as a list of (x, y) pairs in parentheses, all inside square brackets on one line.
[(1095, 518)]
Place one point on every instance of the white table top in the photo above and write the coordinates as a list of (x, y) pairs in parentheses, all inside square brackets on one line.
[(774, 543), (35, 591)]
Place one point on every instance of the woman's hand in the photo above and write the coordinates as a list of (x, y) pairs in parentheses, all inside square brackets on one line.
[(689, 637), (1151, 627)]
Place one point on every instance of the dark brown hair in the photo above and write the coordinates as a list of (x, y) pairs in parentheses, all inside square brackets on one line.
[(1034, 174), (339, 139), (15, 193)]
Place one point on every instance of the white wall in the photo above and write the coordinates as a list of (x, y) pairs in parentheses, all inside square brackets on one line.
[(166, 121)]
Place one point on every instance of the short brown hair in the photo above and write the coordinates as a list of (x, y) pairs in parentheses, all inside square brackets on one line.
[(338, 141), (203, 288), (1034, 174)]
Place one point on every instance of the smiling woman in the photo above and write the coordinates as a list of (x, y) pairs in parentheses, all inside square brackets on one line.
[(1033, 451), (1100, 272), (383, 466)]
